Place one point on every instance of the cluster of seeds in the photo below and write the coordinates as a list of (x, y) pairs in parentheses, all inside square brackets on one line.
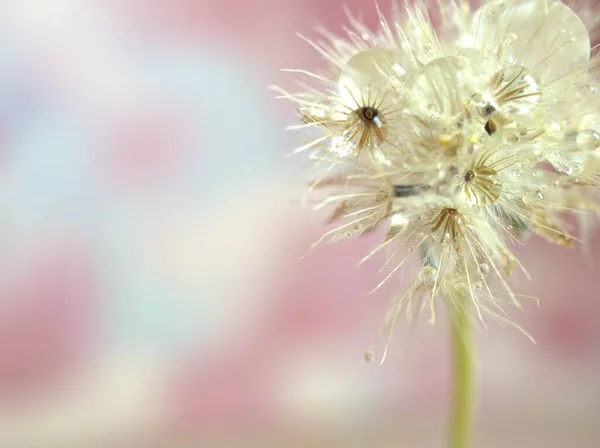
[(461, 137)]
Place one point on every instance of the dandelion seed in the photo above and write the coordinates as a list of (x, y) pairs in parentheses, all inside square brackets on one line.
[(459, 138)]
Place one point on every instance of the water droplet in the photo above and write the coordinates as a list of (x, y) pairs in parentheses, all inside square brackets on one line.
[(477, 99), (440, 87), (517, 172), (585, 89), (461, 287), (370, 356), (368, 69), (535, 173), (489, 13), (510, 38), (557, 24), (411, 249), (427, 275), (540, 194), (512, 137), (484, 269), (555, 129), (588, 140), (478, 286)]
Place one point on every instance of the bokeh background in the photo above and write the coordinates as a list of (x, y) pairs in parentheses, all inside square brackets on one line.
[(150, 293)]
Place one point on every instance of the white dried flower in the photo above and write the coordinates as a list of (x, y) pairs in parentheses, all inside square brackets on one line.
[(459, 137)]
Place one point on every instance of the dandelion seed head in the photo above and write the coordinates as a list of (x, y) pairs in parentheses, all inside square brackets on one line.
[(460, 138)]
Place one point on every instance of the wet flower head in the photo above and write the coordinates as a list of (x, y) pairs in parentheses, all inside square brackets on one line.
[(461, 138)]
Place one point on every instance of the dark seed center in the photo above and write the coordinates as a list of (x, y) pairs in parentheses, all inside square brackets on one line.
[(367, 113), (488, 110), (404, 191)]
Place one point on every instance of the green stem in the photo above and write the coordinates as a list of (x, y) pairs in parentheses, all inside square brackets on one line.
[(462, 405)]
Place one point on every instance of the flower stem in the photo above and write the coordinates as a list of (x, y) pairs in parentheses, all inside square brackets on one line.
[(462, 404)]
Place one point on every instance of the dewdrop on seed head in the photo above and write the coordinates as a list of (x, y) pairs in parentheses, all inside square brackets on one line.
[(369, 70), (456, 140), (588, 137)]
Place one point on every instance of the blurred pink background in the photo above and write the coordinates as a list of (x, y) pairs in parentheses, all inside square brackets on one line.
[(150, 294)]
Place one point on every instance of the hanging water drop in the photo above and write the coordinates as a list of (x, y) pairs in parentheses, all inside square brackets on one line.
[(588, 140), (427, 275), (484, 269), (517, 172), (370, 356)]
